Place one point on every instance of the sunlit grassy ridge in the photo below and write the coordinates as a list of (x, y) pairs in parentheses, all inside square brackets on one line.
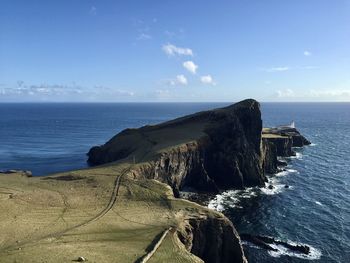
[(42, 219)]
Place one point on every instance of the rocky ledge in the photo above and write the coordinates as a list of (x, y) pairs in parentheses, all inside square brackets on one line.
[(279, 142)]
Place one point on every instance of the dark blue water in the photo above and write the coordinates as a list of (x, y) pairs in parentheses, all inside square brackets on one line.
[(47, 138), (316, 209)]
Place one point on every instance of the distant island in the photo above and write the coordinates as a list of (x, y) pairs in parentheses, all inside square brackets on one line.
[(126, 208)]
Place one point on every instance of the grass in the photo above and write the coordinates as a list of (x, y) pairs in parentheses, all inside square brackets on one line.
[(55, 218), (35, 214)]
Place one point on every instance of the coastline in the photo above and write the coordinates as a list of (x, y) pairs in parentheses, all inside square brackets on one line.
[(265, 158)]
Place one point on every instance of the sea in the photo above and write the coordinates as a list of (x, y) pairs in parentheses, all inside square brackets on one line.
[(48, 138)]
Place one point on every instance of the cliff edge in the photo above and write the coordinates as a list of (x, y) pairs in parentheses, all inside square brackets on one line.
[(206, 151)]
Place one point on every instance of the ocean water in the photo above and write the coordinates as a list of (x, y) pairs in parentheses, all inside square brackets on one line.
[(315, 210)]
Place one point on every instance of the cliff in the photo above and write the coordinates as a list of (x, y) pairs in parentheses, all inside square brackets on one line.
[(41, 215), (279, 143), (207, 151), (212, 238)]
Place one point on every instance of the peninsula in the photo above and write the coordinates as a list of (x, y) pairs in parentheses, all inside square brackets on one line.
[(126, 209)]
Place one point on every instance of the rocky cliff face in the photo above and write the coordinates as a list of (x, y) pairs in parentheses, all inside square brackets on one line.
[(211, 150), (269, 156), (279, 143), (224, 152), (213, 239), (208, 151)]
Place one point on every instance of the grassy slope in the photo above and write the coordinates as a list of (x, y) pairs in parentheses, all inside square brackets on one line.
[(38, 216)]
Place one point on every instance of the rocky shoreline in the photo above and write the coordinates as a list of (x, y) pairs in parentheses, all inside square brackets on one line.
[(209, 152)]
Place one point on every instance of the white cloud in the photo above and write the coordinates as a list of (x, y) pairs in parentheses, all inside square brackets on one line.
[(277, 69), (190, 66), (173, 50), (287, 93), (207, 80), (181, 79), (307, 53)]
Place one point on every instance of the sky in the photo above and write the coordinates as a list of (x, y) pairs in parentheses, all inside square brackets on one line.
[(167, 51)]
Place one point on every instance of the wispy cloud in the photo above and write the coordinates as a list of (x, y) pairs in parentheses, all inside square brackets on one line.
[(286, 93), (208, 79), (172, 50), (314, 94), (143, 28), (93, 10), (190, 66), (277, 69), (55, 92), (144, 36), (329, 93), (307, 53)]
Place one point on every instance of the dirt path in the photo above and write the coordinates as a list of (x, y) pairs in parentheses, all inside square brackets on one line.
[(108, 207), (148, 256)]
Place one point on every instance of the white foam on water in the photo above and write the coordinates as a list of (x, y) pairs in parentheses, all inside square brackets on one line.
[(275, 182), (313, 144), (318, 203), (277, 188), (231, 198), (298, 156), (282, 173), (314, 253)]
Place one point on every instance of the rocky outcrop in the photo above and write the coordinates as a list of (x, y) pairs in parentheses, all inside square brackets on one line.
[(266, 242), (213, 239), (279, 142), (269, 156), (283, 145), (218, 149)]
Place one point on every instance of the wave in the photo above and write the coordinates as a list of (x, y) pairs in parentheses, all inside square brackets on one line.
[(298, 156), (231, 198), (314, 253), (318, 203)]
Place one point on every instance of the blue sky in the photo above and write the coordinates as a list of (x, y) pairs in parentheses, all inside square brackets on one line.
[(161, 50)]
